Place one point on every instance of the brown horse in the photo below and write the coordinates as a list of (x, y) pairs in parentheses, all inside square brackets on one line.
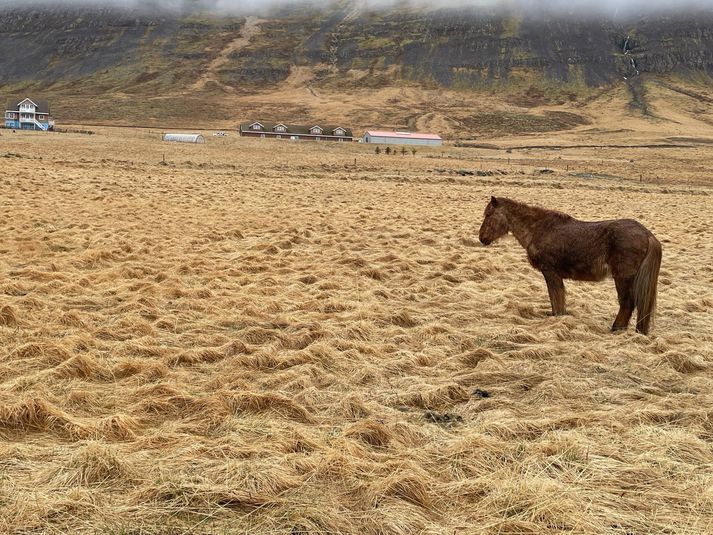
[(562, 247)]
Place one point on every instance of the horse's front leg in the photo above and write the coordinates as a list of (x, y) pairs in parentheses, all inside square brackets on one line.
[(555, 286)]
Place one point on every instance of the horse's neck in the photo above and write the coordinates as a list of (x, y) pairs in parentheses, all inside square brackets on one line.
[(522, 220)]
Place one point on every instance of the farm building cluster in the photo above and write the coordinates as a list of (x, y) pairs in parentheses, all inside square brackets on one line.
[(320, 132), (33, 114)]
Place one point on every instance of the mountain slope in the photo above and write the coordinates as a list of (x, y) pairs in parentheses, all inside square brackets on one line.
[(115, 56)]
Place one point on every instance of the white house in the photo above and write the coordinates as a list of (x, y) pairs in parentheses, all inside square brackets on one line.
[(28, 114), (387, 137)]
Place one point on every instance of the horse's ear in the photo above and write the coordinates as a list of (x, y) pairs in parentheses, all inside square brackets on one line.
[(493, 201)]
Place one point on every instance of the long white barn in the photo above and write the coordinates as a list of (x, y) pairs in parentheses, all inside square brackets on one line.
[(387, 137)]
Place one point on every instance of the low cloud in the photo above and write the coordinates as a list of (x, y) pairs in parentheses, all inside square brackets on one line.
[(610, 8)]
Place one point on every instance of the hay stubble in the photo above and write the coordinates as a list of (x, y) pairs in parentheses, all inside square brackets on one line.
[(259, 337)]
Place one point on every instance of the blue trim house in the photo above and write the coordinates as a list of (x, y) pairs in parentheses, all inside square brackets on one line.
[(28, 114)]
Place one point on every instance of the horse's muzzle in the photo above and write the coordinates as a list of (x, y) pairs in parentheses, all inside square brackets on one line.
[(485, 241)]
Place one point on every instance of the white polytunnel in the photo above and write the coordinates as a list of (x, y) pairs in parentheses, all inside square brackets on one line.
[(184, 138)]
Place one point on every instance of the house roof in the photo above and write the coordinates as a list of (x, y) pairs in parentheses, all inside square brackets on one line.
[(296, 129), (42, 105), (402, 135)]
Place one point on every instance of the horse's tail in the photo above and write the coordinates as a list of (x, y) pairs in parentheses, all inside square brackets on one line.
[(645, 285)]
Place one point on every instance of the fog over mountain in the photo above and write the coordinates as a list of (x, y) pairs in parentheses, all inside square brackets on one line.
[(607, 8)]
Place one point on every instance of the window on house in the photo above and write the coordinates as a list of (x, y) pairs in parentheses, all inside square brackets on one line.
[(339, 132), (280, 128), (256, 127), (316, 130)]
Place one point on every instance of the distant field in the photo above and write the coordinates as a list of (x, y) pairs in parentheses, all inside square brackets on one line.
[(272, 337)]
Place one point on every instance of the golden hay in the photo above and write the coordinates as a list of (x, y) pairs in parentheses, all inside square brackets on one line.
[(278, 340), (116, 427), (33, 414), (370, 432), (8, 317), (93, 465), (275, 403)]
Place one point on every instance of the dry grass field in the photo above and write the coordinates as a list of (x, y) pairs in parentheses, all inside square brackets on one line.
[(265, 337)]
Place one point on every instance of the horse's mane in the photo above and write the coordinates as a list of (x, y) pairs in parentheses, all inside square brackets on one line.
[(530, 211)]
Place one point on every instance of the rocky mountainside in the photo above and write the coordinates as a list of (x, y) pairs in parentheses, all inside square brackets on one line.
[(106, 57), (137, 51)]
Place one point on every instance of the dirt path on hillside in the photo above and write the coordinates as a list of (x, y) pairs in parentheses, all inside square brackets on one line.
[(250, 30)]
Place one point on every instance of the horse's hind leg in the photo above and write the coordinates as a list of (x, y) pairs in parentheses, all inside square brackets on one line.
[(625, 291), (555, 287)]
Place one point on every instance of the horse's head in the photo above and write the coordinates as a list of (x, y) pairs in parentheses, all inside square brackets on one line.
[(495, 224)]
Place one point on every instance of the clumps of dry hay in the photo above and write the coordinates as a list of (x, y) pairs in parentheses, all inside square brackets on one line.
[(72, 318), (353, 407), (528, 312), (308, 279), (94, 464), (165, 400), (208, 355), (233, 484), (82, 367), (8, 316), (234, 348), (370, 432), (115, 427), (438, 398), (682, 362), (527, 504), (563, 448), (314, 519), (300, 340), (473, 358), (129, 327), (196, 356), (373, 273), (46, 352), (16, 288), (410, 484), (533, 353), (56, 508), (145, 351), (263, 481), (259, 335), (94, 258), (252, 402), (37, 414), (147, 370), (297, 442), (518, 336), (403, 319)]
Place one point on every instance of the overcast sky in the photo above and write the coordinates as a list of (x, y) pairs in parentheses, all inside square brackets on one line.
[(608, 7)]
